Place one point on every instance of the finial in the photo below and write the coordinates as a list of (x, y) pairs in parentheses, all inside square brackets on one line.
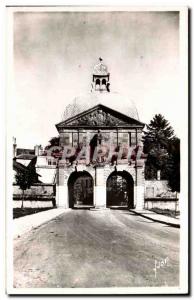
[(100, 59)]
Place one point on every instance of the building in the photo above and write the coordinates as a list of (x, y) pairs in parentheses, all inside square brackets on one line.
[(97, 160), (102, 163)]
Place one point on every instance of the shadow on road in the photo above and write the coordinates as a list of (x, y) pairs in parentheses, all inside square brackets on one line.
[(82, 207), (119, 208)]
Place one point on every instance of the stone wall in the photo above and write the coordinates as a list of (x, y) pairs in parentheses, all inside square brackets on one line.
[(158, 189), (170, 204), (38, 196), (159, 195)]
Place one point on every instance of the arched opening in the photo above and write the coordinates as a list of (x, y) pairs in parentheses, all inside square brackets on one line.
[(80, 189), (104, 81), (120, 190), (97, 81)]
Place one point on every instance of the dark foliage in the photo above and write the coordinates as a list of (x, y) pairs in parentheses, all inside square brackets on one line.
[(173, 165), (163, 150), (158, 134), (54, 141), (25, 178)]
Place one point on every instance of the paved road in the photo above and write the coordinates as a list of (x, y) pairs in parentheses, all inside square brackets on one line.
[(84, 248)]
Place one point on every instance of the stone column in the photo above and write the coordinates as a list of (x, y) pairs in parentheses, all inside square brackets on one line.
[(88, 135), (139, 188), (99, 188), (158, 175)]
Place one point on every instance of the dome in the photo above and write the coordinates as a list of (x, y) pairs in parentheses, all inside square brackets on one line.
[(113, 100), (101, 94)]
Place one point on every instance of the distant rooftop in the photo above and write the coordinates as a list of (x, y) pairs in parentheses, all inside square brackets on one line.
[(20, 151), (26, 156)]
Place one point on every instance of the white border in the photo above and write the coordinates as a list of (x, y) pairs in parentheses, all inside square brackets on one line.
[(184, 154)]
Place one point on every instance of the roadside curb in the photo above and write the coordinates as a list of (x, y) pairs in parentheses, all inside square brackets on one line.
[(155, 220)]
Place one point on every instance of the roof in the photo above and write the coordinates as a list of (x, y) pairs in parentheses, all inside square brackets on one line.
[(18, 167), (115, 100), (20, 151), (100, 116), (26, 156)]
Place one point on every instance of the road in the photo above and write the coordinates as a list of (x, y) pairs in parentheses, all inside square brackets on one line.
[(108, 248)]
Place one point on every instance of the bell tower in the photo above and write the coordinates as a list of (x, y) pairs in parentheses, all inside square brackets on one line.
[(100, 79)]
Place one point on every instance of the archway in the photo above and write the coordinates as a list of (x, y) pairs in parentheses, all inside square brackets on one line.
[(120, 190), (80, 190), (97, 81), (104, 81)]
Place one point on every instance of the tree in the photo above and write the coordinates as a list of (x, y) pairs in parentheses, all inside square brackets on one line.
[(54, 141), (157, 140), (25, 178), (53, 148), (173, 165), (158, 134)]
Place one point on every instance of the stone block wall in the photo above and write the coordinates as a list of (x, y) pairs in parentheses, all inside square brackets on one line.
[(159, 195), (38, 196), (158, 189), (170, 204)]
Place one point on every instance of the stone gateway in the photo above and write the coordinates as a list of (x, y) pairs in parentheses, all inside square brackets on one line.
[(102, 163)]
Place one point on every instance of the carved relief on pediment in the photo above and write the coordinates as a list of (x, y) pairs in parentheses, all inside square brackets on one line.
[(97, 118)]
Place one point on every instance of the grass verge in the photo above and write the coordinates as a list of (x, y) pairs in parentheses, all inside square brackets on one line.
[(166, 212), (19, 212)]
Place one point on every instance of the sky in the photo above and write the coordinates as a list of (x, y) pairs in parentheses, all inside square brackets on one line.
[(54, 56)]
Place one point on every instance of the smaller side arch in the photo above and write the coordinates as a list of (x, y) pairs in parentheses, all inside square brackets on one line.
[(120, 189)]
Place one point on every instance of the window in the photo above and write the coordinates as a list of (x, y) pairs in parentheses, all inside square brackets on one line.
[(74, 139), (104, 81), (114, 139), (64, 139), (123, 142), (123, 138), (133, 138), (51, 162), (97, 81), (82, 139)]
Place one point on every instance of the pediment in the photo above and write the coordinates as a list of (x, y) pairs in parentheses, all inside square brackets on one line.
[(99, 116)]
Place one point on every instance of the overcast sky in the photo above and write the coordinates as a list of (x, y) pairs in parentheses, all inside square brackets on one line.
[(54, 55)]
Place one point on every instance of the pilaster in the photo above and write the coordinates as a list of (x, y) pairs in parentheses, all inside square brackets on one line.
[(99, 188)]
